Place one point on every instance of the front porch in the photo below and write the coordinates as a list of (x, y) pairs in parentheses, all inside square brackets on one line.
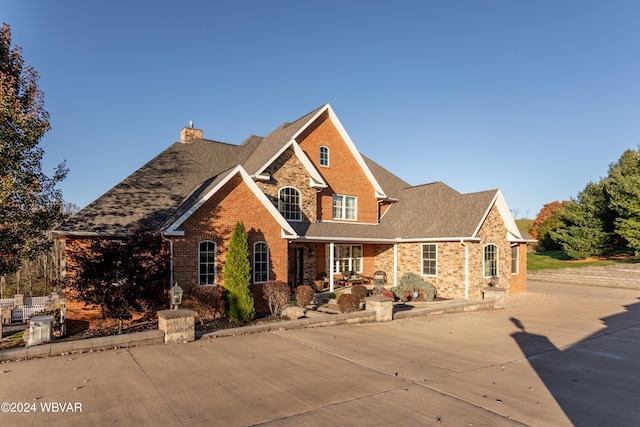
[(352, 264)]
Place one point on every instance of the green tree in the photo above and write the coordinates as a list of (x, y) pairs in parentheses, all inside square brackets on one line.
[(30, 204), (237, 277), (548, 219), (123, 275), (585, 232), (623, 188)]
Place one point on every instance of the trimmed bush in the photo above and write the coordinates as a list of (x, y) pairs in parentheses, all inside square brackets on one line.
[(208, 301), (410, 283), (304, 295), (277, 294), (360, 291), (348, 303)]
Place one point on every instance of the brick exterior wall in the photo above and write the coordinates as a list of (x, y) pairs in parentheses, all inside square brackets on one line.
[(215, 221), (344, 175), (519, 280)]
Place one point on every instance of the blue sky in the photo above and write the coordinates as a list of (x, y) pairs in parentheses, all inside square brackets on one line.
[(534, 98)]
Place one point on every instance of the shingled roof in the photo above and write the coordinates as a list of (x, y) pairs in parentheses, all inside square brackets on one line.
[(174, 182), (436, 211), (157, 189), (426, 212)]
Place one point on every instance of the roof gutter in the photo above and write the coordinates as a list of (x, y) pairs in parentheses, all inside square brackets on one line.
[(379, 240), (88, 234)]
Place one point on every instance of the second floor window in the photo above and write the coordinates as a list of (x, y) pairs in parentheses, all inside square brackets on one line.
[(289, 203), (344, 207), (324, 156)]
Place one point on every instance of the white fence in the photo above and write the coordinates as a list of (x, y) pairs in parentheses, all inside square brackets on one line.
[(31, 306), (35, 300), (21, 313)]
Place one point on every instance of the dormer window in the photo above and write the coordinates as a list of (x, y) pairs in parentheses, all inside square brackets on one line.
[(289, 203), (324, 156), (344, 207)]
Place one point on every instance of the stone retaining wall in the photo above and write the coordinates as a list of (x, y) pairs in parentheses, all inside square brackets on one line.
[(625, 276)]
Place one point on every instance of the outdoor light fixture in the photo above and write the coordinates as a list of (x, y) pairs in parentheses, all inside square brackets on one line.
[(175, 296)]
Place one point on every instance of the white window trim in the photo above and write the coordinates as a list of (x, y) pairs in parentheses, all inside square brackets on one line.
[(517, 259), (299, 204), (497, 260), (336, 258), (255, 261), (422, 259), (320, 156), (344, 207), (215, 262)]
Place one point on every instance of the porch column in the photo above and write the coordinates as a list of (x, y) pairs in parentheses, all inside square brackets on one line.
[(331, 267)]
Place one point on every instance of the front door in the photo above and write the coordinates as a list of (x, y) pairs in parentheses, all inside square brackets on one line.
[(296, 267)]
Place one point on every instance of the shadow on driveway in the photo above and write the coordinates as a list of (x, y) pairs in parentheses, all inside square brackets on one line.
[(597, 380)]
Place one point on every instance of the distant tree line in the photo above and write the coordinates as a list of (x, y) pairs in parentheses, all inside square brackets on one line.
[(602, 220)]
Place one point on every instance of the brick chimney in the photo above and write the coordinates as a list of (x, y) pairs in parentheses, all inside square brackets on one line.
[(190, 134)]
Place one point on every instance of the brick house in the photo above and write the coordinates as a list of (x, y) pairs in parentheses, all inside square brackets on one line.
[(311, 203)]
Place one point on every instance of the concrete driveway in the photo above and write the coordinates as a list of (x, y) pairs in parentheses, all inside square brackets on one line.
[(558, 355)]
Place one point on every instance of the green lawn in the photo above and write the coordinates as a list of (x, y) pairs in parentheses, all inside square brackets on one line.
[(14, 340), (558, 259)]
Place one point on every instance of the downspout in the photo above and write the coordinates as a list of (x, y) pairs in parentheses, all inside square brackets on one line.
[(466, 269), (395, 265), (170, 258)]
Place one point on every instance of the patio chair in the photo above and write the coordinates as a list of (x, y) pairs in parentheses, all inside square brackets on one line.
[(380, 277), (379, 281), (322, 283)]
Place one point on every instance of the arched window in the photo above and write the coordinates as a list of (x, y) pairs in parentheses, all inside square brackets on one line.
[(289, 203), (207, 263), (324, 155), (490, 263), (260, 262)]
